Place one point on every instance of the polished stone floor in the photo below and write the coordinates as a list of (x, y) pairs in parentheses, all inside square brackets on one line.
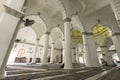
[(55, 72), (111, 75)]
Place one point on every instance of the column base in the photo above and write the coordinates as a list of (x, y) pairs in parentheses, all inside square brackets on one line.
[(2, 75), (33, 63), (92, 66), (68, 67), (44, 65), (51, 62)]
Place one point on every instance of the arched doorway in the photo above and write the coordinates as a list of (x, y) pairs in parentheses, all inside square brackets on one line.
[(102, 36), (77, 42), (25, 38)]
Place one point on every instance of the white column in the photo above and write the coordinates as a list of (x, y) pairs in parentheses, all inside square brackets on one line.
[(8, 31), (35, 51), (68, 55), (73, 55), (52, 53), (115, 4), (16, 4), (63, 54), (77, 56), (106, 55), (46, 44), (29, 56), (116, 41), (63, 51), (90, 55)]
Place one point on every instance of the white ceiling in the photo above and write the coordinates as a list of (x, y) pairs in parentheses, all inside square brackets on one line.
[(1, 6), (93, 5), (51, 15)]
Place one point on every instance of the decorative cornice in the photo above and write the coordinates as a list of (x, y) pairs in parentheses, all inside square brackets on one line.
[(87, 33), (47, 33), (73, 48), (116, 34), (67, 19)]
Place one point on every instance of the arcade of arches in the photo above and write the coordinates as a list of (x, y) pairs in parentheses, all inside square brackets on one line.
[(47, 32)]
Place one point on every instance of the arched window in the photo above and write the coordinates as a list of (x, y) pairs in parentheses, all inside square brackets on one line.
[(21, 52)]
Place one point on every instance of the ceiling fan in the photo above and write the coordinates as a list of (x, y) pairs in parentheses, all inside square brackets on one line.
[(18, 40), (29, 22)]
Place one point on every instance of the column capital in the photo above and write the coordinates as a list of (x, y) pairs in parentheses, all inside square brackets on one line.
[(67, 19), (73, 48), (87, 33), (48, 33), (37, 39), (116, 34), (53, 43), (21, 18)]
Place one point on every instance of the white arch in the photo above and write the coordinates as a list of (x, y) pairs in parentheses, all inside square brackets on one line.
[(42, 40), (77, 23), (58, 43), (112, 47), (80, 46), (27, 34), (39, 26), (62, 9), (56, 33), (75, 42)]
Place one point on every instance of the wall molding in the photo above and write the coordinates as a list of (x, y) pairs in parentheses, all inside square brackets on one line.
[(87, 33)]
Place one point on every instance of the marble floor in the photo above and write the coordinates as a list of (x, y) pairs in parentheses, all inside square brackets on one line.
[(100, 75), (55, 72), (114, 74)]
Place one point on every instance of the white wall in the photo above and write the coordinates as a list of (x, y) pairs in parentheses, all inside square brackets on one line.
[(29, 52)]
